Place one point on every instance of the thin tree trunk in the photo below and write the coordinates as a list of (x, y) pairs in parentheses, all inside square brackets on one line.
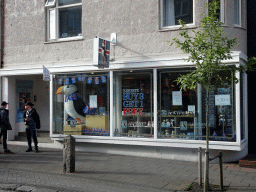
[(206, 168)]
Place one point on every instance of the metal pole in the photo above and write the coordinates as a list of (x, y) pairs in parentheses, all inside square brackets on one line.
[(221, 170), (200, 165)]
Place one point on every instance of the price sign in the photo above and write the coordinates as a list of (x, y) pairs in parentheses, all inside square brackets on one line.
[(176, 98), (222, 99)]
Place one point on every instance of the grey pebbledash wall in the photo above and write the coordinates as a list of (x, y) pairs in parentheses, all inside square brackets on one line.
[(137, 24)]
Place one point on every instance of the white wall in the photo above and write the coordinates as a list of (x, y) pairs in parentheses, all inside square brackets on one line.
[(42, 103), (8, 93)]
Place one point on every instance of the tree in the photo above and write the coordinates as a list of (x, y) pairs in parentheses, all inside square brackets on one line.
[(207, 49)]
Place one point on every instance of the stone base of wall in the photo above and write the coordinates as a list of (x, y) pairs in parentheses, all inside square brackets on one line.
[(248, 161)]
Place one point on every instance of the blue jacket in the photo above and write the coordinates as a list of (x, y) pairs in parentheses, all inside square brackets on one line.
[(5, 123)]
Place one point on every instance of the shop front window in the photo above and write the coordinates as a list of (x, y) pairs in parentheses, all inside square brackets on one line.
[(81, 104), (133, 104), (177, 110), (182, 113), (222, 117)]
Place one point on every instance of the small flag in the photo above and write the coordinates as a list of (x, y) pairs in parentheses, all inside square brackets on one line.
[(73, 79), (103, 79), (96, 80), (89, 80), (67, 81), (60, 81)]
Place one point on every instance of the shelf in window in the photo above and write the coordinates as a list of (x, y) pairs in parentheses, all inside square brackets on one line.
[(136, 115), (191, 127), (177, 116)]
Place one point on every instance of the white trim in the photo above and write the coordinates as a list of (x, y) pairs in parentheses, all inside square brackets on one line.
[(50, 4), (155, 101), (111, 92), (77, 66), (51, 105), (220, 145), (238, 112)]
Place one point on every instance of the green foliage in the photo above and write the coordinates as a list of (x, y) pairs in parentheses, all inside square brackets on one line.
[(207, 48)]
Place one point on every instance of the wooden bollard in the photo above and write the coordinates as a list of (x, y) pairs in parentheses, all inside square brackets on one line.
[(69, 154)]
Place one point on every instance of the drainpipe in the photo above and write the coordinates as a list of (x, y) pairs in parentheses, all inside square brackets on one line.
[(2, 21)]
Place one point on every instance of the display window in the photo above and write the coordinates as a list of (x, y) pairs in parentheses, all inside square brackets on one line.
[(133, 104), (177, 110), (222, 116), (182, 113), (81, 104)]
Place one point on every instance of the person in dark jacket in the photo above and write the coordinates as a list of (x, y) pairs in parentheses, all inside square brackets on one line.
[(32, 121), (5, 125)]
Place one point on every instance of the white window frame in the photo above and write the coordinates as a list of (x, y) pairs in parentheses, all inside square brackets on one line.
[(53, 24), (222, 10), (50, 3), (238, 14), (173, 27)]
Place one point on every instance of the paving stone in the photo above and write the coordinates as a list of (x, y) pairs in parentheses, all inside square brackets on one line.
[(25, 188), (9, 186)]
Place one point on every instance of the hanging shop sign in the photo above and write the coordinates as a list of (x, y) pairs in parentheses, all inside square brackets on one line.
[(46, 74), (101, 52)]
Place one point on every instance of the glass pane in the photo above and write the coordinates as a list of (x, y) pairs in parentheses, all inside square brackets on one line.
[(70, 24), (236, 12), (81, 104), (133, 105), (68, 2), (222, 121), (177, 110), (183, 11)]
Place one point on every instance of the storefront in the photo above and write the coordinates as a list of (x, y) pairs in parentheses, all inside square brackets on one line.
[(140, 104)]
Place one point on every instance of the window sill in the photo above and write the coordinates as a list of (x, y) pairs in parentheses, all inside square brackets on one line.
[(238, 26), (65, 40), (177, 27)]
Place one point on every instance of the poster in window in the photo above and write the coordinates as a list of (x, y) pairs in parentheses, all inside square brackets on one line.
[(93, 101), (176, 98)]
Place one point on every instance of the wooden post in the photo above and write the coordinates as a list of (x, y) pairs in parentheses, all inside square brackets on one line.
[(221, 170), (200, 165), (69, 154)]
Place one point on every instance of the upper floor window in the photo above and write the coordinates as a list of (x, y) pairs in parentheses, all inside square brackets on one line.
[(175, 10), (64, 19), (221, 10), (237, 12)]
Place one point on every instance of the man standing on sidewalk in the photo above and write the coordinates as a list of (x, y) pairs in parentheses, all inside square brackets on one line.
[(5, 125), (32, 121)]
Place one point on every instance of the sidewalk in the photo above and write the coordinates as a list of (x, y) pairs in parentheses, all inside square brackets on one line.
[(104, 172)]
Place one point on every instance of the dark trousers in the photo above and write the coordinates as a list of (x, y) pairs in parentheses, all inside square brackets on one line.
[(4, 133), (31, 133)]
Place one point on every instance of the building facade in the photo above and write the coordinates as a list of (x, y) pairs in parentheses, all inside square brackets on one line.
[(130, 104)]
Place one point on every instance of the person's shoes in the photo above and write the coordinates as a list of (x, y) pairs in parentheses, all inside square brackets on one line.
[(8, 151), (29, 149), (36, 150)]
